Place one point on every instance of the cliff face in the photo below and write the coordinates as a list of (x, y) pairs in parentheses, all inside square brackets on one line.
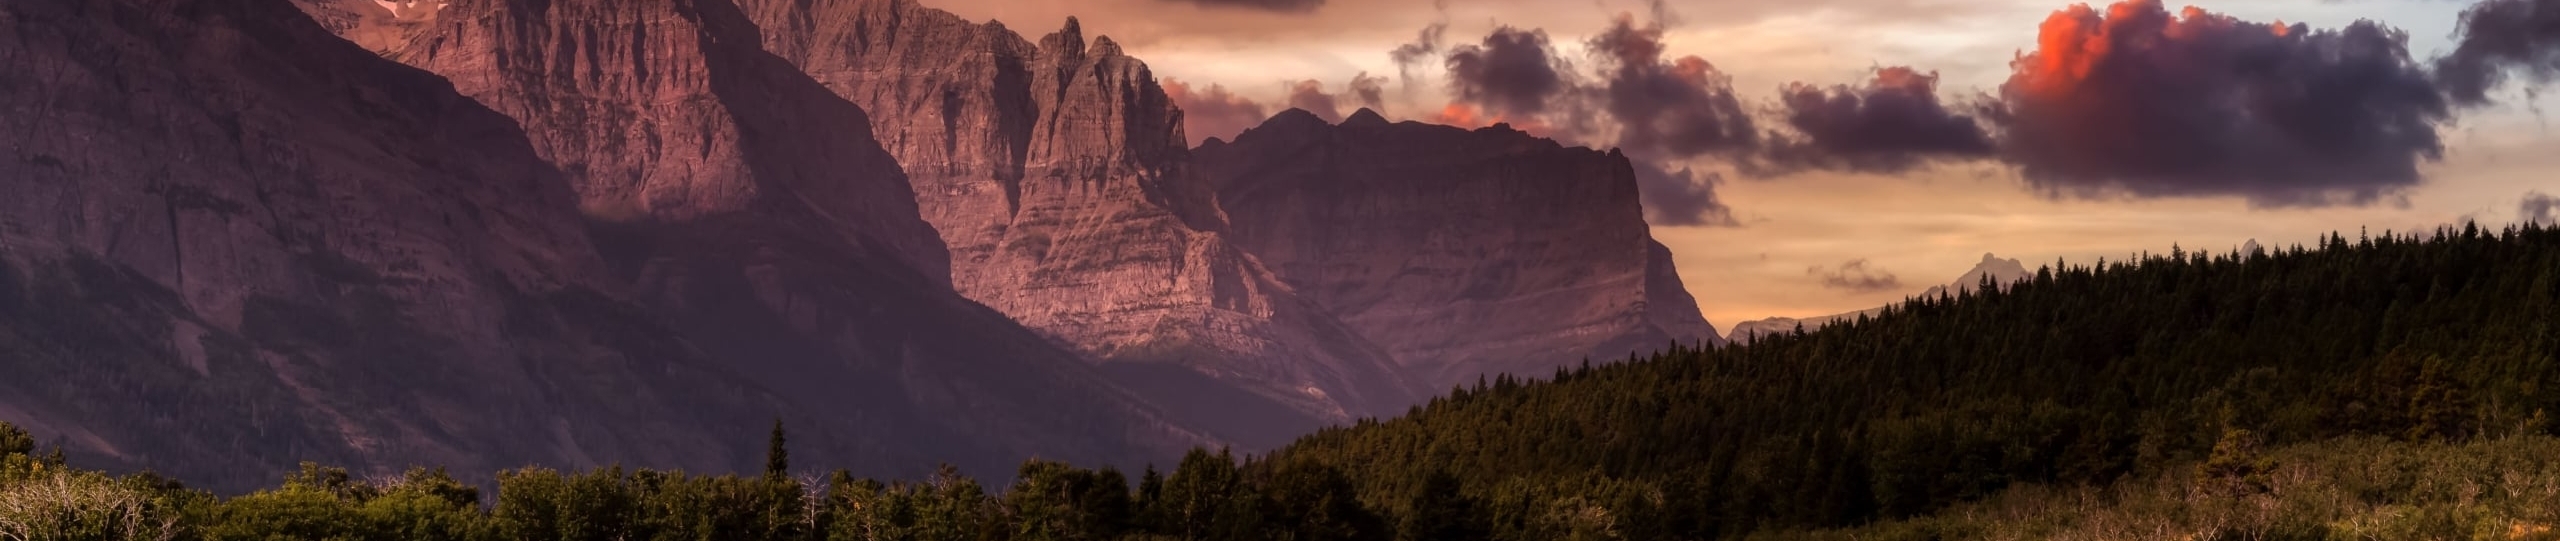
[(1462, 252), (377, 25), (751, 207), (1056, 173), (234, 241)]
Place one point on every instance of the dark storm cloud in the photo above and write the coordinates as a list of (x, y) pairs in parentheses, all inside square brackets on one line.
[(1661, 113), (2137, 101), (1888, 125), (2539, 208), (1284, 6), (1213, 112), (1682, 107), (1513, 73), (2499, 37), (1634, 98), (1680, 197), (1855, 276)]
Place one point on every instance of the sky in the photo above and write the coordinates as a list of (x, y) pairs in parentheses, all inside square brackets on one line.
[(2095, 151)]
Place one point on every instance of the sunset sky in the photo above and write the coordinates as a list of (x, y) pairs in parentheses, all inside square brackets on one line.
[(1778, 231)]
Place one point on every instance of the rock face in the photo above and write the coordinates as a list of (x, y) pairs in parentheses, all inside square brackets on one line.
[(1999, 271), (751, 207), (1057, 174), (1462, 252), (235, 241), (378, 25)]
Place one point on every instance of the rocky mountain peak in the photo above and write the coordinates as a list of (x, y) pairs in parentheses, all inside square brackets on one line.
[(1461, 252), (299, 240), (1057, 174), (698, 123), (754, 208), (2000, 271)]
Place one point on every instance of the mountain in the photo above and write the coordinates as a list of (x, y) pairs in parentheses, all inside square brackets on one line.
[(2000, 271), (236, 241), (1992, 269), (1464, 253), (377, 25), (1057, 174), (750, 206)]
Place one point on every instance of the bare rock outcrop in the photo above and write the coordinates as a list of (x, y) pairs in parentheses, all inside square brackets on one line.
[(233, 241), (752, 207), (1057, 174), (1462, 252), (378, 25)]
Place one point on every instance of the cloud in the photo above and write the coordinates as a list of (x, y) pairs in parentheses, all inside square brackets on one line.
[(1310, 96), (1683, 197), (1660, 113), (1370, 90), (1283, 6), (1889, 125), (1424, 47), (1213, 112), (2499, 36), (2539, 208), (1513, 72), (2135, 101), (1855, 276), (1683, 108)]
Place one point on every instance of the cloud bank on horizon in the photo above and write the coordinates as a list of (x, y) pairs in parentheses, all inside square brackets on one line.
[(2126, 101)]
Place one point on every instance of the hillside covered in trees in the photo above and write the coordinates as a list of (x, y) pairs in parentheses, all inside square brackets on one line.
[(2392, 387)]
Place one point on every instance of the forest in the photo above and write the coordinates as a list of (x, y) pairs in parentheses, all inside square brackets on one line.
[(2380, 386)]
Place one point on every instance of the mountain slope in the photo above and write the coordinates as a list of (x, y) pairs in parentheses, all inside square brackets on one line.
[(748, 205), (234, 242), (2077, 376), (1057, 174), (1465, 253)]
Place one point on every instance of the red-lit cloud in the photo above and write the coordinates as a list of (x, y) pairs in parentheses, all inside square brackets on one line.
[(2137, 101)]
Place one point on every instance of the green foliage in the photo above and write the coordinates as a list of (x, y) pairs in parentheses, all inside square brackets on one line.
[(16, 441)]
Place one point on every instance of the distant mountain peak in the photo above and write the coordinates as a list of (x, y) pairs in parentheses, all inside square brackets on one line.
[(1365, 118), (2000, 271)]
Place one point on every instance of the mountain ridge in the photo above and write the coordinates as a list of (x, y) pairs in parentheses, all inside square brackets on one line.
[(1466, 252), (1056, 171)]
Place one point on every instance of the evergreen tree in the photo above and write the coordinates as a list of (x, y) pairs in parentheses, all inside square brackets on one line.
[(777, 457)]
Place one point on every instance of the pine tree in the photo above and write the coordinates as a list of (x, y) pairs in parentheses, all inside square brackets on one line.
[(777, 458)]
